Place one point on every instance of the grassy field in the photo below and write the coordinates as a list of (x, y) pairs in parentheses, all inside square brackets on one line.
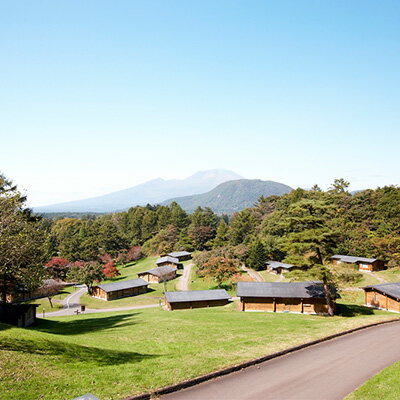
[(390, 275), (272, 277), (115, 355), (383, 386), (44, 303)]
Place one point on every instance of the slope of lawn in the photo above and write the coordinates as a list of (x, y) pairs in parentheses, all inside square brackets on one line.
[(113, 355), (383, 386), (390, 275)]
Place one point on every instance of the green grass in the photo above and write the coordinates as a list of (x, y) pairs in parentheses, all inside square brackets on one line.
[(390, 275), (383, 386), (271, 276), (113, 355), (44, 303)]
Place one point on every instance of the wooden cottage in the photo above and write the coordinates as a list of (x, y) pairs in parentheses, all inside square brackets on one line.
[(21, 315), (117, 290), (363, 263), (181, 255), (385, 296), (279, 267), (196, 299), (159, 274), (298, 297), (168, 260)]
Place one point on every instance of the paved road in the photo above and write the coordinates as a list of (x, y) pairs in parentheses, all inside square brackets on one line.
[(253, 274), (327, 371), (183, 283)]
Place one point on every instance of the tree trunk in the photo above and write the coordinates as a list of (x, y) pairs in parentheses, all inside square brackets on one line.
[(51, 303), (329, 300), (319, 255)]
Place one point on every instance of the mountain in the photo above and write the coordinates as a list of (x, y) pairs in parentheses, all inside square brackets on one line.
[(154, 191), (232, 196)]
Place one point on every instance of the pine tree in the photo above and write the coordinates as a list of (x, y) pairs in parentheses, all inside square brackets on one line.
[(257, 256)]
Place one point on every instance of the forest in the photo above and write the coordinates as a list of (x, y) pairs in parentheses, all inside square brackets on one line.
[(303, 227)]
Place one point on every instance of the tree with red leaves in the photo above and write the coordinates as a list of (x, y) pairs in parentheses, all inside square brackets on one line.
[(58, 268), (220, 268), (110, 270)]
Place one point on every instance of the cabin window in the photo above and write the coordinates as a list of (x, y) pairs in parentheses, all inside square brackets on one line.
[(376, 297)]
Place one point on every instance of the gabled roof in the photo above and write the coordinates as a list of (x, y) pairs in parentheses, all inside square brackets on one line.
[(196, 295), (159, 271), (352, 259), (277, 264), (391, 289), (112, 287), (167, 259), (179, 254), (304, 290)]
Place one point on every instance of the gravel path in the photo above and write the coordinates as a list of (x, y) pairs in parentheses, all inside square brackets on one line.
[(183, 283), (253, 274)]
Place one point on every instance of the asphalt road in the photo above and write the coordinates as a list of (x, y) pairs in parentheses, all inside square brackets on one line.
[(326, 371)]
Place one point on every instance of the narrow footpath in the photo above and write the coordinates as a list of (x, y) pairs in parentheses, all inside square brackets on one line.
[(252, 273), (183, 283)]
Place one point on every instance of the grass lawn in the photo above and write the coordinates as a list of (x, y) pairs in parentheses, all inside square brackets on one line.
[(44, 303), (384, 386), (390, 275), (271, 276), (113, 355)]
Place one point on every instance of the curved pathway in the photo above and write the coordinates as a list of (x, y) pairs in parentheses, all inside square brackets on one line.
[(326, 371), (183, 283), (252, 273)]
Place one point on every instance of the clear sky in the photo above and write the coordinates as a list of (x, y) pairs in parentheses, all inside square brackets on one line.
[(97, 96)]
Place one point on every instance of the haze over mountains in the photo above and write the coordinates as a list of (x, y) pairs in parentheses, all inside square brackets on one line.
[(222, 190)]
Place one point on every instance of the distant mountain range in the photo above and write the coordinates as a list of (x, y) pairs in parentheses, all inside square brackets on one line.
[(153, 192), (232, 196)]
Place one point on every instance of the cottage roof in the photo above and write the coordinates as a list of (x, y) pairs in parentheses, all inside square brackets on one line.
[(277, 264), (112, 287), (167, 259), (196, 295), (304, 290), (391, 289), (178, 254), (159, 271), (352, 259)]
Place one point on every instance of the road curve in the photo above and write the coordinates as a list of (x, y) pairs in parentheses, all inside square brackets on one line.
[(326, 371)]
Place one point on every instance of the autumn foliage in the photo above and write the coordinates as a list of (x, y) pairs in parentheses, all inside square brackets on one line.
[(220, 269), (58, 267)]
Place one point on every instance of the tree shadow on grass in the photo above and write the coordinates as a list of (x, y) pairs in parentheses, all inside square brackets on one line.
[(72, 353), (81, 324), (352, 310)]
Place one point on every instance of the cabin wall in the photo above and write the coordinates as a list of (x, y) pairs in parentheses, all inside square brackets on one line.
[(118, 294), (195, 304), (296, 305), (379, 300)]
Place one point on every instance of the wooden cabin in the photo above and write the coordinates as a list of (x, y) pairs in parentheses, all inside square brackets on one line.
[(168, 260), (21, 315), (196, 299), (181, 255), (279, 267), (385, 296), (159, 274), (298, 297), (118, 290), (363, 263)]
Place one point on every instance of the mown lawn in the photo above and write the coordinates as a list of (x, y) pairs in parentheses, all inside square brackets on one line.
[(390, 275), (383, 386), (115, 355)]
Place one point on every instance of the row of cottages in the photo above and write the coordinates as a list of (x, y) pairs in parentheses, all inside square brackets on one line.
[(363, 263), (385, 296), (118, 290), (298, 297), (196, 299), (158, 274), (279, 267)]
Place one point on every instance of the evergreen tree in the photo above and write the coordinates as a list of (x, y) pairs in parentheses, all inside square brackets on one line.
[(257, 257)]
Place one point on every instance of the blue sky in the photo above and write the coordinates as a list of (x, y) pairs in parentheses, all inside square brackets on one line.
[(97, 96)]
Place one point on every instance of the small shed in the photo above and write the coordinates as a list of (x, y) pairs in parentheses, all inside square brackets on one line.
[(117, 290), (385, 296), (21, 315), (168, 260), (298, 297), (363, 263), (279, 267), (181, 255), (196, 299), (159, 274)]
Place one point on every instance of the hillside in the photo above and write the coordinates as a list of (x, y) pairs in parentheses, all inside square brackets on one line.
[(232, 196), (154, 191)]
